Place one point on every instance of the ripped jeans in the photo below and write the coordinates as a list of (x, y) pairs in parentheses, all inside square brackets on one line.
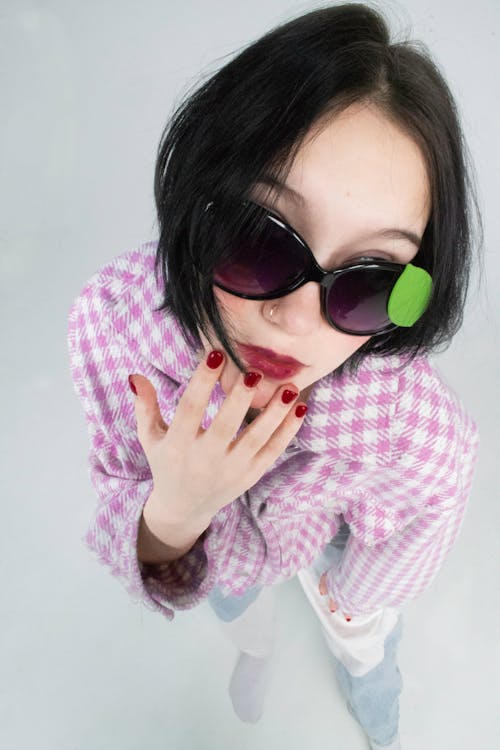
[(364, 650)]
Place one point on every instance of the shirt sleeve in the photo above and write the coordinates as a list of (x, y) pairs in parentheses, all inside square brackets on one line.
[(407, 515), (100, 362)]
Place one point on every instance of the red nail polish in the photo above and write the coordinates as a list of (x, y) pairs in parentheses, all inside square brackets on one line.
[(348, 619), (288, 396), (214, 359), (132, 386), (251, 379), (300, 410)]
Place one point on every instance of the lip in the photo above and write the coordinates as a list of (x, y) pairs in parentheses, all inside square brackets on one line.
[(270, 363)]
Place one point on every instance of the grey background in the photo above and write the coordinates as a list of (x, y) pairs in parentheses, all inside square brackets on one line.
[(86, 90)]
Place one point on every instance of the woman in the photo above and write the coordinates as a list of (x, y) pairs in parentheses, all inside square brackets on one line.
[(315, 247)]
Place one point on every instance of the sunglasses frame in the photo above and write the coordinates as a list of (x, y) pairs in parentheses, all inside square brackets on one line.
[(314, 272)]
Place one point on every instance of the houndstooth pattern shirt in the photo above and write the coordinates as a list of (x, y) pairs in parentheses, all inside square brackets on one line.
[(391, 451)]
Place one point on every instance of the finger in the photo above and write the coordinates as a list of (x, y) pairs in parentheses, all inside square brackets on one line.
[(186, 423), (272, 430), (147, 411), (323, 590), (265, 433), (230, 416), (322, 584)]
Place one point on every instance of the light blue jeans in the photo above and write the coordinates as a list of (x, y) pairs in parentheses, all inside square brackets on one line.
[(373, 699)]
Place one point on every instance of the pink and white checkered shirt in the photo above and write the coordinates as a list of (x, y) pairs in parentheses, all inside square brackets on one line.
[(392, 451)]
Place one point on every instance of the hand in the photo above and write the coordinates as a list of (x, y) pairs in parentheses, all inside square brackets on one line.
[(197, 472), (323, 591)]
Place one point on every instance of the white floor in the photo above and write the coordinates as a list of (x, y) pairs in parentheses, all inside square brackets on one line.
[(83, 668), (86, 88)]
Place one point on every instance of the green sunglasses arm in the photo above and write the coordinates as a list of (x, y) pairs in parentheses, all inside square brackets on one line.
[(409, 296)]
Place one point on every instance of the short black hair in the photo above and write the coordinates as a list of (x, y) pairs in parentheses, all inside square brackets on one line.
[(249, 119)]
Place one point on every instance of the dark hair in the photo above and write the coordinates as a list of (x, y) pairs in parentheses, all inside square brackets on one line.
[(249, 119)]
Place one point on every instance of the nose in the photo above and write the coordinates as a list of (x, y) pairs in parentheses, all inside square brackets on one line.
[(299, 313)]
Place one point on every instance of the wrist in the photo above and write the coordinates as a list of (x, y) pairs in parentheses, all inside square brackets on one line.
[(177, 528)]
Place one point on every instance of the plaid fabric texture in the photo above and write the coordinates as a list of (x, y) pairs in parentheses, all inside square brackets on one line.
[(392, 451)]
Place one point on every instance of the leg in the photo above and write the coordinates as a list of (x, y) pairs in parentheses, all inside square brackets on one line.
[(248, 621), (373, 699), (363, 652)]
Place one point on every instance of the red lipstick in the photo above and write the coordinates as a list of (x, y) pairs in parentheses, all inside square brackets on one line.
[(271, 364)]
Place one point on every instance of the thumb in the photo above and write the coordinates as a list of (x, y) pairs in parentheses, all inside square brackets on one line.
[(147, 410)]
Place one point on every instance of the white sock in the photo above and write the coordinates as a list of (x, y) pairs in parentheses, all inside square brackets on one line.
[(254, 630), (248, 686), (253, 633)]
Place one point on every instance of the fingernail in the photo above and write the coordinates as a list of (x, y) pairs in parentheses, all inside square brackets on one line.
[(131, 384), (348, 619), (251, 379), (288, 396), (300, 410), (332, 609), (214, 359)]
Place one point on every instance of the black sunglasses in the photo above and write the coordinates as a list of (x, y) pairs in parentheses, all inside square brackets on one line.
[(367, 297)]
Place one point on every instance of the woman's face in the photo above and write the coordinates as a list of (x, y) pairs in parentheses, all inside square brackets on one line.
[(358, 176)]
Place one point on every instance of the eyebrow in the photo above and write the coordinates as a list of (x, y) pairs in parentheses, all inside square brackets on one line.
[(390, 233)]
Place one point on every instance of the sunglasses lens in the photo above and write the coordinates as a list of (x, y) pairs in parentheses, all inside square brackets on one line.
[(357, 300), (263, 263)]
